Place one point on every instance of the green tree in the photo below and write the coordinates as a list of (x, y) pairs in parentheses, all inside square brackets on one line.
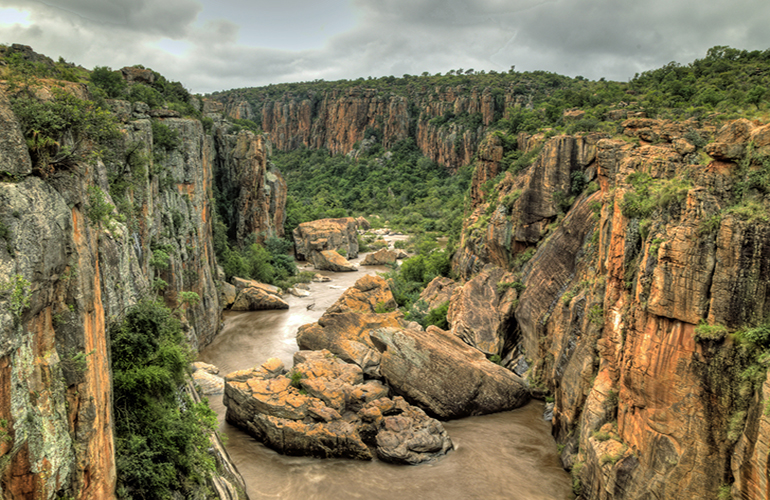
[(161, 435), (111, 82)]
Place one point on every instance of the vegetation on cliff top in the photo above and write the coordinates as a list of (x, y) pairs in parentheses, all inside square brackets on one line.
[(727, 82)]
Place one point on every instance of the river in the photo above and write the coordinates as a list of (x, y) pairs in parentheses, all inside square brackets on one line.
[(509, 455)]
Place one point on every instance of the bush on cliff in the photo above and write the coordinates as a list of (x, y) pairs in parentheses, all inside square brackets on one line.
[(161, 435), (65, 129)]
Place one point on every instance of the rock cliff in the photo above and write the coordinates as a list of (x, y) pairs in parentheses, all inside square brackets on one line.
[(628, 262), (81, 241), (338, 119)]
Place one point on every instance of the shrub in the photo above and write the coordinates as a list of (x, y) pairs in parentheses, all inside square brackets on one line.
[(160, 259), (164, 140), (161, 435), (20, 293), (380, 308), (704, 331), (65, 129), (99, 210), (111, 82), (437, 317)]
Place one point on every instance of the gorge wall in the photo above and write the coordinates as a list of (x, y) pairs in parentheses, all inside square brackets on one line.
[(623, 263), (339, 119), (77, 248)]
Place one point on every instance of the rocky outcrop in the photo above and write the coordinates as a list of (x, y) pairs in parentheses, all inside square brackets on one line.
[(439, 291), (344, 328), (444, 376), (257, 299), (325, 408), (381, 257), (331, 260), (311, 238), (614, 285)]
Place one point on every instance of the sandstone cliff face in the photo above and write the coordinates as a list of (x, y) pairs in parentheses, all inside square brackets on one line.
[(611, 293), (337, 119), (66, 275), (256, 193)]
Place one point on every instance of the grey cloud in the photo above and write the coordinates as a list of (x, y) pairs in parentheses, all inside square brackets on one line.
[(593, 38), (169, 18)]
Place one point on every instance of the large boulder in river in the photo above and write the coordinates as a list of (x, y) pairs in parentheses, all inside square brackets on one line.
[(228, 293), (347, 335), (344, 328), (241, 283), (369, 294), (381, 257), (257, 299), (326, 234), (446, 377), (325, 408), (330, 260)]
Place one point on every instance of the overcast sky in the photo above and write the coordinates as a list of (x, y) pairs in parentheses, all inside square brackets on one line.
[(222, 44)]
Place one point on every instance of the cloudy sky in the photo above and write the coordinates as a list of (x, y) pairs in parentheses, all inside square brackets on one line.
[(222, 44)]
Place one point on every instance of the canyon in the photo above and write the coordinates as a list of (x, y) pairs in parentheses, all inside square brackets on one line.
[(614, 273)]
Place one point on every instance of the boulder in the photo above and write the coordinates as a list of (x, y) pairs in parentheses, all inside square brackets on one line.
[(241, 283), (209, 384), (344, 328), (326, 409), (320, 278), (205, 367), (330, 260), (206, 378), (403, 434), (381, 257), (228, 294), (444, 376), (298, 292), (347, 336), (326, 234), (363, 223), (369, 294), (257, 299)]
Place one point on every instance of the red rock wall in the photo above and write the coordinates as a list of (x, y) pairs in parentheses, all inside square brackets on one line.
[(337, 120), (610, 304)]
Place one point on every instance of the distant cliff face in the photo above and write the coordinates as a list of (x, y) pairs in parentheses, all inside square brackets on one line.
[(616, 276), (71, 264), (255, 194), (337, 120)]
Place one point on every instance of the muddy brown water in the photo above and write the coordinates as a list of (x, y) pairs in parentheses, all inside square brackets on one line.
[(509, 455)]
